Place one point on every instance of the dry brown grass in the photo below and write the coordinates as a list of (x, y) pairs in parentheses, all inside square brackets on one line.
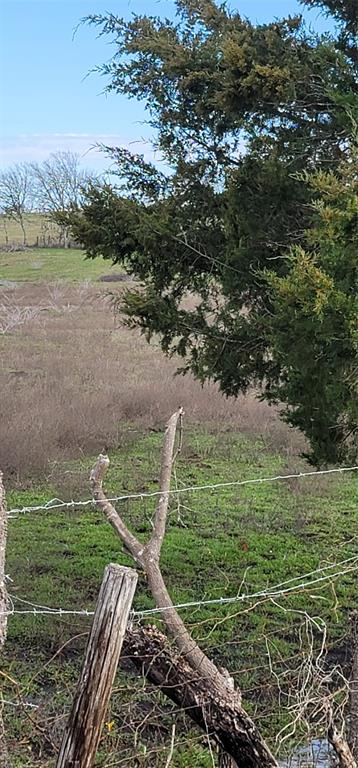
[(71, 379)]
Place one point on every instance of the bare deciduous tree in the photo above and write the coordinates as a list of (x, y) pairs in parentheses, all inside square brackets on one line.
[(16, 194), (58, 183)]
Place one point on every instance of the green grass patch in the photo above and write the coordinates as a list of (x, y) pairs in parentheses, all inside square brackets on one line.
[(218, 544), (49, 264)]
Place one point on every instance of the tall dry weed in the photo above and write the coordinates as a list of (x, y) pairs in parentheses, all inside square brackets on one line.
[(71, 380)]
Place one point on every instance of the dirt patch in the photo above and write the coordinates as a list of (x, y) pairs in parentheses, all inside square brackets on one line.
[(121, 278)]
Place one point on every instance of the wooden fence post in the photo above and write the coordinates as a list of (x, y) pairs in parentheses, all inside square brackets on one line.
[(4, 755), (83, 730)]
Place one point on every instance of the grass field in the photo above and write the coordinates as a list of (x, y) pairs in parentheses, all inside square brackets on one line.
[(49, 264), (75, 382), (37, 227), (264, 534)]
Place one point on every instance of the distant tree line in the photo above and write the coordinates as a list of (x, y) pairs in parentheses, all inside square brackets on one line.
[(50, 187)]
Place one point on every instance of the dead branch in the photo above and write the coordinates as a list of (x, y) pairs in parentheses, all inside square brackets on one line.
[(160, 519), (217, 711), (199, 681), (148, 556), (130, 542), (320, 694), (341, 748), (12, 315)]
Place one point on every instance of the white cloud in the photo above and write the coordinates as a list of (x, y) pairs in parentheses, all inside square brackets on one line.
[(37, 147)]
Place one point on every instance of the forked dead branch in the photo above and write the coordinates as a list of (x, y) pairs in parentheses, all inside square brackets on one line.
[(180, 668), (187, 675)]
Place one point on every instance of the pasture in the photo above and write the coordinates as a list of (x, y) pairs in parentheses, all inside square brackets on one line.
[(75, 382), (38, 227), (41, 265)]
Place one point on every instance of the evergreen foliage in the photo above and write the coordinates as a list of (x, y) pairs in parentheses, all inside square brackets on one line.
[(255, 211)]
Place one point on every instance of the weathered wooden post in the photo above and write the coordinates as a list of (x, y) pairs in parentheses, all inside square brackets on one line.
[(83, 730), (4, 756)]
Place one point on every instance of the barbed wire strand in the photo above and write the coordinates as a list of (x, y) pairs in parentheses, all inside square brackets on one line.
[(57, 503), (273, 592)]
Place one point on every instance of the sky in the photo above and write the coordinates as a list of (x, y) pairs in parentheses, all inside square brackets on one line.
[(48, 99)]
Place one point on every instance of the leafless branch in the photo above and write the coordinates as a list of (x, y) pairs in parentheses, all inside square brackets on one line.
[(129, 540), (147, 556), (239, 737), (155, 544)]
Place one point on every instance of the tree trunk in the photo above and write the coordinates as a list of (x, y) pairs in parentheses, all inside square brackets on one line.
[(4, 756), (21, 222), (215, 708), (66, 243), (6, 232)]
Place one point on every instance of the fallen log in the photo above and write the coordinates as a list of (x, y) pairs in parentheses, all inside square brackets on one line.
[(215, 708)]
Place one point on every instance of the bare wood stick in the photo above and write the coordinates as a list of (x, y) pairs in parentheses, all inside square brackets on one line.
[(160, 519), (83, 730), (96, 478), (4, 755), (176, 627)]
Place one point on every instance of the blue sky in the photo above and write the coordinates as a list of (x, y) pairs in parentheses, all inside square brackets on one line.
[(48, 103)]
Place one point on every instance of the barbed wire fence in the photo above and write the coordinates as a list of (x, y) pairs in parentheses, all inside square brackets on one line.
[(305, 689), (327, 573), (143, 716), (56, 503)]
